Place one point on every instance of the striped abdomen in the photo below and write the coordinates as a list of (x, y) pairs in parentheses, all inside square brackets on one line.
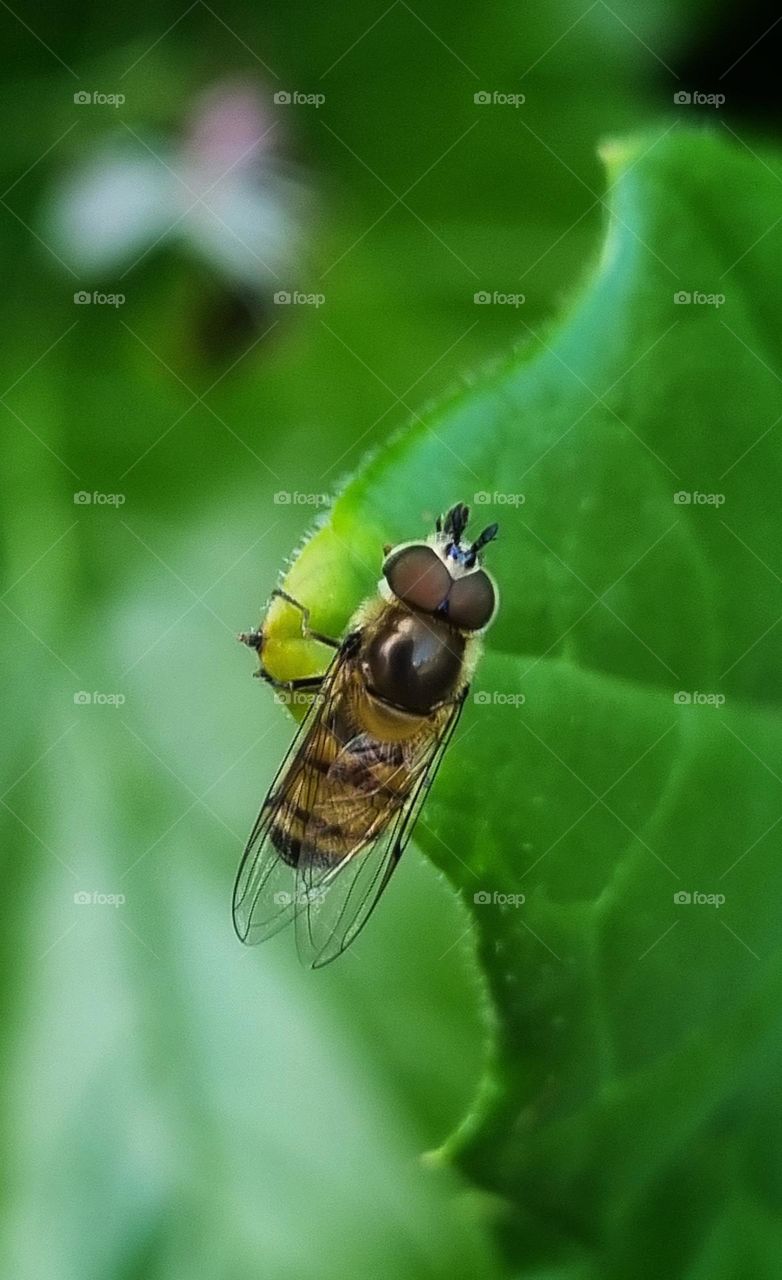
[(344, 787)]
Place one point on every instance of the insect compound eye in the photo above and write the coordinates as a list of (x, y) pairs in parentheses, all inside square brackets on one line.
[(417, 576), (472, 601)]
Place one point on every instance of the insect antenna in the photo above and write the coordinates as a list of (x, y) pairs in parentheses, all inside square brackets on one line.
[(456, 522), (488, 535)]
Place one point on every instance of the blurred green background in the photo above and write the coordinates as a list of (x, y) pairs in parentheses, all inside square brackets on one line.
[(173, 1104)]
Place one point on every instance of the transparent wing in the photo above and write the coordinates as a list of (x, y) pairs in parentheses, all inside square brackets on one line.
[(266, 891), (336, 904)]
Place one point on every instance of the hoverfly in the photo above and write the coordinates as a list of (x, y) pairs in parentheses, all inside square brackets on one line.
[(346, 798)]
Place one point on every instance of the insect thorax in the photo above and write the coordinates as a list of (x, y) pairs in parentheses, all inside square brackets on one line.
[(412, 661)]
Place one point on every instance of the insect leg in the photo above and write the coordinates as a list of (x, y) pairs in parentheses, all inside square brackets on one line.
[(291, 686), (306, 629), (253, 639)]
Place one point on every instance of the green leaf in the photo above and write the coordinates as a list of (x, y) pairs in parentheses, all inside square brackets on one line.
[(637, 1037)]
